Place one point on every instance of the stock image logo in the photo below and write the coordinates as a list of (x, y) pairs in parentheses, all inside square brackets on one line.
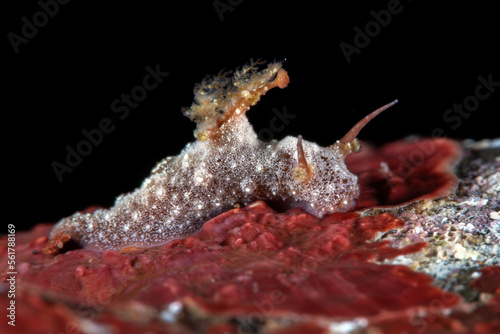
[(224, 7), (363, 37), (31, 25), (122, 107)]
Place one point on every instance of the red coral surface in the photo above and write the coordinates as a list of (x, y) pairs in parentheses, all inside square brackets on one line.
[(250, 263), (482, 319), (247, 267), (403, 172)]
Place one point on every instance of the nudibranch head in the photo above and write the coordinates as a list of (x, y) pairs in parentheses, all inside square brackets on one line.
[(321, 181), (323, 184)]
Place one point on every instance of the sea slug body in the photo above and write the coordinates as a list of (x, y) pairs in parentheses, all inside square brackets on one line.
[(226, 166)]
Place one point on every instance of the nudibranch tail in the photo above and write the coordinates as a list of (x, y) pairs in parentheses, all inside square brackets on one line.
[(349, 142), (220, 98)]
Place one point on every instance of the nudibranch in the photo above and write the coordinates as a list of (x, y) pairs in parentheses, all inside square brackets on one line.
[(226, 166)]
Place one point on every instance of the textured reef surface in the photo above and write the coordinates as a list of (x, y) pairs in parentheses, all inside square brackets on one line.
[(418, 254)]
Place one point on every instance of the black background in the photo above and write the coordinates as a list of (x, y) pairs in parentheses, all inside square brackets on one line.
[(66, 77)]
